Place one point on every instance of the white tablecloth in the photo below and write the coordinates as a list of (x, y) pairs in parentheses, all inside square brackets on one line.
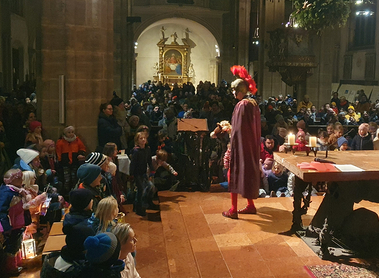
[(123, 163)]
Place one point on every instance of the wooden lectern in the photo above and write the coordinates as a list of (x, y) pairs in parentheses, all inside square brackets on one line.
[(193, 125), (194, 142)]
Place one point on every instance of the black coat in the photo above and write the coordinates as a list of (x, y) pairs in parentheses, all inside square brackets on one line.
[(362, 143), (108, 130)]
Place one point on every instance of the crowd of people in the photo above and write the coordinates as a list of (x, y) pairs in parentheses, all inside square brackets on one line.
[(47, 176)]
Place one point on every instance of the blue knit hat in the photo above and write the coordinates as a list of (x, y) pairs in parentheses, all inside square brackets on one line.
[(87, 173), (342, 140), (102, 248)]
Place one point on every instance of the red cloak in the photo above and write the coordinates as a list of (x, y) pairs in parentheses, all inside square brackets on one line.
[(245, 144)]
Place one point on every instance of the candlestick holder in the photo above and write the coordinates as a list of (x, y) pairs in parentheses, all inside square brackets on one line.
[(311, 149), (290, 148)]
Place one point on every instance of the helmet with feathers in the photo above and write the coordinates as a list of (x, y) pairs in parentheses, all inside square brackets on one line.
[(243, 77)]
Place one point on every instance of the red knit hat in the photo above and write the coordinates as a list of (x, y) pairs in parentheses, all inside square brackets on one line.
[(33, 125)]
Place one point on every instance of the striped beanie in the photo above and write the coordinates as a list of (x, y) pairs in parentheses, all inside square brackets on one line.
[(96, 159)]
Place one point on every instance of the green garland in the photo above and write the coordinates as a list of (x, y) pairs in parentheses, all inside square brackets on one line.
[(317, 15)]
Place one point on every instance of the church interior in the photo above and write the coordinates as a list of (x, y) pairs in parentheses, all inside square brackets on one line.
[(72, 55)]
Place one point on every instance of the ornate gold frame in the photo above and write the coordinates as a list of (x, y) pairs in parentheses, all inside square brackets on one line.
[(178, 75)]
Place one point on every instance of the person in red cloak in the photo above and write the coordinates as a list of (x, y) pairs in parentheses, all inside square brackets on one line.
[(244, 171)]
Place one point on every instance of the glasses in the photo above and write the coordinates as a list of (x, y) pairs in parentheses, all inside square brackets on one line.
[(109, 108)]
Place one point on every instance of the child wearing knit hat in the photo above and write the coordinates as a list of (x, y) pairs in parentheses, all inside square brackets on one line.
[(89, 177), (98, 159), (71, 154), (342, 144), (102, 255), (81, 207), (27, 157), (102, 161), (34, 136)]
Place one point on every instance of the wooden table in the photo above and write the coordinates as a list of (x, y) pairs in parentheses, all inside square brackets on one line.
[(344, 189), (366, 160)]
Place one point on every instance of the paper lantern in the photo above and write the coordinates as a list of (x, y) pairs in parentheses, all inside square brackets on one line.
[(28, 248)]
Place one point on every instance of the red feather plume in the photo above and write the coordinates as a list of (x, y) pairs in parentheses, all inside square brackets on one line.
[(242, 73)]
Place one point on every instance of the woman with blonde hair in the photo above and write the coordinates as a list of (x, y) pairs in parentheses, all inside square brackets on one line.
[(127, 238), (104, 217)]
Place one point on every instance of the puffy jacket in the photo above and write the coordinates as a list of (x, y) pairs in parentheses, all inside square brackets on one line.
[(68, 151)]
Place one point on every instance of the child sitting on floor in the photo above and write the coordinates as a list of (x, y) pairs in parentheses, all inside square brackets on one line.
[(164, 177), (266, 170), (277, 181)]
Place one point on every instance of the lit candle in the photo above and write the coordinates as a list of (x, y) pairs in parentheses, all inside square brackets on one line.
[(291, 139), (313, 141)]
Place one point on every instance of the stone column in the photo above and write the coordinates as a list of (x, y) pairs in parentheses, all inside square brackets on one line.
[(244, 32), (5, 47), (124, 49), (77, 42)]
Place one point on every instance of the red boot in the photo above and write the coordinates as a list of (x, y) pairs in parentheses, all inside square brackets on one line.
[(11, 265), (19, 258)]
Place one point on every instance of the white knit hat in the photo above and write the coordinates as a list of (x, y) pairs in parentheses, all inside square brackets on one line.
[(27, 155)]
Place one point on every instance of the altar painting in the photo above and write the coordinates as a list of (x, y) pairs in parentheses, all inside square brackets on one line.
[(173, 62)]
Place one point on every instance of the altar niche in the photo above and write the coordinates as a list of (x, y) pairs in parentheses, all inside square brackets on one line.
[(173, 62)]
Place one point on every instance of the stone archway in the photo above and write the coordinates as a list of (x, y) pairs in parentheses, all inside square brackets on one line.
[(204, 49)]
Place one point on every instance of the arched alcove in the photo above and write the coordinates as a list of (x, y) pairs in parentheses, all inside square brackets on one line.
[(202, 51)]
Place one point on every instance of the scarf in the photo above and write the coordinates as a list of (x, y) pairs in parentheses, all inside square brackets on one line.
[(69, 139)]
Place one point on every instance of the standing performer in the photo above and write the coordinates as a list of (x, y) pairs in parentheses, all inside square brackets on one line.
[(245, 143)]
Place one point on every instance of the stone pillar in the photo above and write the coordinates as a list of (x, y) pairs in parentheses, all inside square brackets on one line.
[(124, 49), (5, 47), (244, 32), (77, 42)]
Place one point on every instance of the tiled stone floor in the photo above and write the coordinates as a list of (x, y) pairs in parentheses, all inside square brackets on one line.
[(190, 238)]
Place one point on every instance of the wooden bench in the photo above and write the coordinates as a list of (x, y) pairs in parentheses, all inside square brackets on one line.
[(56, 239)]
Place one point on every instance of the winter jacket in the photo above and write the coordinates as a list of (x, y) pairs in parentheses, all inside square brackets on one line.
[(68, 151), (360, 143), (108, 130), (11, 211), (76, 217)]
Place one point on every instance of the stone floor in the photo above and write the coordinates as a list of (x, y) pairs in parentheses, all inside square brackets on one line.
[(190, 238)]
